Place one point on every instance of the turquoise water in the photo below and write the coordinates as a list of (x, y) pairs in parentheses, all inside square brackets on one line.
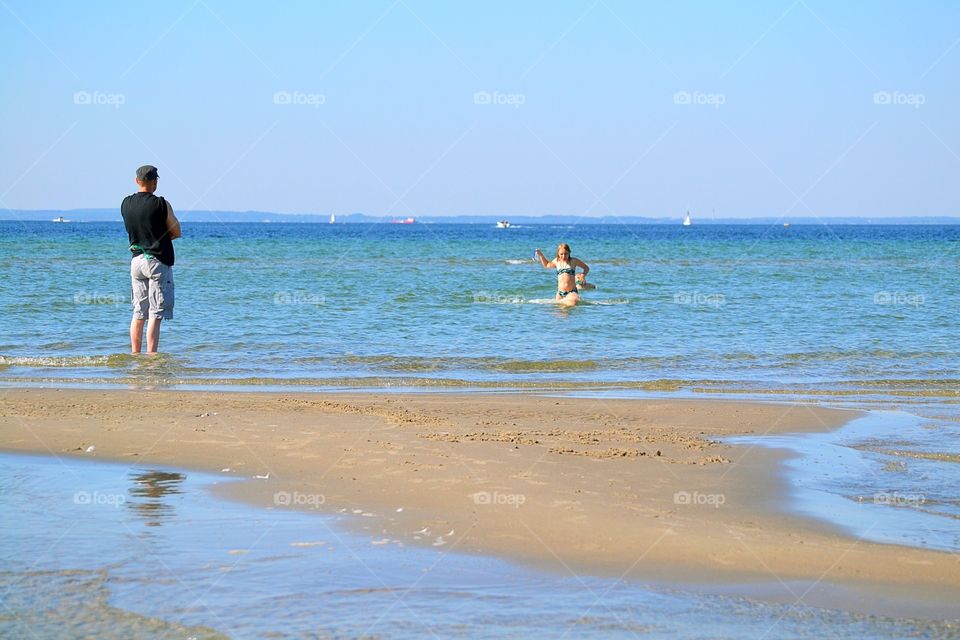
[(837, 310), (98, 550), (887, 477), (853, 315), (856, 315)]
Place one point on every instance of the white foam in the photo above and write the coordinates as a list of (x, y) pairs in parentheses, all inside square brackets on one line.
[(614, 301), (605, 302)]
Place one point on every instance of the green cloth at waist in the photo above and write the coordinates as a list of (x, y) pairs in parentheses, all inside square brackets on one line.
[(136, 247)]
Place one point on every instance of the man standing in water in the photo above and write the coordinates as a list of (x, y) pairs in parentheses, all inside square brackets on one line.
[(152, 228)]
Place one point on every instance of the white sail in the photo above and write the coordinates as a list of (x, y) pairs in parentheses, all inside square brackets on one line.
[(686, 220)]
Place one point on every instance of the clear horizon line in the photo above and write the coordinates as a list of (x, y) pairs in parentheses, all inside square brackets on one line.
[(498, 216)]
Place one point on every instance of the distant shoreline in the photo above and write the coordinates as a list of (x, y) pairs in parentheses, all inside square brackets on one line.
[(268, 217)]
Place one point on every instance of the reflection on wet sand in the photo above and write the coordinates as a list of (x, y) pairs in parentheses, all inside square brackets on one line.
[(154, 488)]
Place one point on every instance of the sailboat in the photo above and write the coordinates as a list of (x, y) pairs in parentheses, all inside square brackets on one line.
[(333, 218), (686, 220)]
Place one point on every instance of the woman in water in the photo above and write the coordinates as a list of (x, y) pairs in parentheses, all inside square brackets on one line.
[(566, 266)]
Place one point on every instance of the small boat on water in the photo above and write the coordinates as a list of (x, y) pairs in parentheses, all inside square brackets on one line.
[(333, 218), (60, 219), (403, 221), (686, 220), (503, 224)]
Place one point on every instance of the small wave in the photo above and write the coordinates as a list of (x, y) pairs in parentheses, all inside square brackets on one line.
[(908, 383), (114, 360), (412, 364), (393, 363), (601, 303), (515, 261), (826, 356), (919, 455), (381, 382), (500, 300), (544, 366), (855, 392), (368, 382), (613, 301)]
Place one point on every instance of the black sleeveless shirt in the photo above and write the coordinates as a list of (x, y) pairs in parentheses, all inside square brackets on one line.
[(145, 217)]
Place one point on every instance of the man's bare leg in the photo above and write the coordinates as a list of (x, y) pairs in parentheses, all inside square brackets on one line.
[(136, 335), (153, 335)]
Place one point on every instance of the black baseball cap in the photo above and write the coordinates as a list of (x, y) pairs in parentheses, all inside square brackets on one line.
[(147, 172)]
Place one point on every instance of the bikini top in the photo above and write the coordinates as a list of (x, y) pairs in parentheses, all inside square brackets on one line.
[(567, 270)]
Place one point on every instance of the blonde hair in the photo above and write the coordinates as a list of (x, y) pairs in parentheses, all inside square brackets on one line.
[(564, 246)]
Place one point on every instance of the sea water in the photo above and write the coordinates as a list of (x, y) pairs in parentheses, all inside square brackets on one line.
[(107, 550), (836, 310), (853, 315)]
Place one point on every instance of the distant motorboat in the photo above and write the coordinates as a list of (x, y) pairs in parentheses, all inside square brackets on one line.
[(403, 221), (503, 224), (686, 220), (60, 219)]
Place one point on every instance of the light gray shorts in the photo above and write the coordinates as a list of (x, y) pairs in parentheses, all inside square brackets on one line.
[(152, 288)]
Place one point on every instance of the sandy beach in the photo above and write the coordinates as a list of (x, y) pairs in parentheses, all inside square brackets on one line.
[(635, 489)]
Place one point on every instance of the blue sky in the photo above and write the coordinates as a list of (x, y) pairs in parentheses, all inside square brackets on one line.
[(408, 107)]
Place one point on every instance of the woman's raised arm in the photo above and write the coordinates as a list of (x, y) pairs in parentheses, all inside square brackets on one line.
[(543, 259)]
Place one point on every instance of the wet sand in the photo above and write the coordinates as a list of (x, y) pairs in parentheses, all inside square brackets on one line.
[(634, 489)]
